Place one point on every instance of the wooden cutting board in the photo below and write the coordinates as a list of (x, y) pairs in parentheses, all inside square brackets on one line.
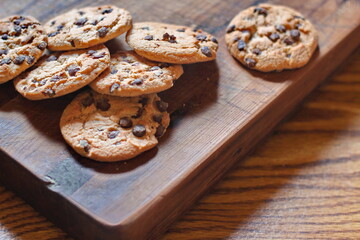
[(220, 110)]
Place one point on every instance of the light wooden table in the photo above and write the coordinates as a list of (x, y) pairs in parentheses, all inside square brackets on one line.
[(303, 182)]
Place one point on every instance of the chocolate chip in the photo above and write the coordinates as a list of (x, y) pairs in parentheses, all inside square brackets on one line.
[(60, 27), (114, 71), (91, 52), (256, 51), (5, 61), (154, 68), (53, 34), (81, 13), (113, 134), (139, 130), (99, 55), (24, 26), (30, 60), (149, 37), (145, 28), (107, 11), (250, 62), (51, 58), (17, 30), (144, 101), (180, 30), (42, 45), (159, 131), (94, 22), (261, 11), (157, 118), (166, 37), (206, 51), (241, 45), (299, 17), (49, 92), (103, 31), (72, 70), (17, 22), (86, 102), (201, 37), (288, 41), (137, 82), (231, 28), (295, 34), (274, 37), (85, 144), (288, 55), (102, 104), (3, 52), (162, 106), (55, 78), (42, 82), (280, 28), (172, 39), (138, 113), (5, 37), (52, 23), (214, 40), (80, 21), (125, 122), (298, 25), (19, 59), (114, 87)]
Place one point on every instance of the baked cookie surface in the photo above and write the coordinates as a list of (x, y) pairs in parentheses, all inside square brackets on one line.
[(86, 27), (22, 42), (61, 73), (271, 38), (107, 128), (171, 43), (132, 75)]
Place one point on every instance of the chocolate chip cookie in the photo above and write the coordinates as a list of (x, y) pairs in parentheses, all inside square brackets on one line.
[(86, 27), (61, 73), (171, 43), (132, 75), (271, 38), (107, 128), (22, 42)]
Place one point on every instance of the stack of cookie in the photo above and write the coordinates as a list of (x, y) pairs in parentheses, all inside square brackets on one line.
[(121, 116)]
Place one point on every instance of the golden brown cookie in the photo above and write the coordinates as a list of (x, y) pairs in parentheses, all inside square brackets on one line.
[(132, 75), (61, 73), (107, 128), (22, 42), (86, 27), (271, 38), (171, 43)]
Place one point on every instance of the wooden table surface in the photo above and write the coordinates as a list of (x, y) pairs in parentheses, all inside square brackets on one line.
[(303, 182)]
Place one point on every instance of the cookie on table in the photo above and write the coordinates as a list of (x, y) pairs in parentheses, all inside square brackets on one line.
[(61, 73), (171, 43), (271, 38), (22, 42), (86, 27), (132, 75), (107, 128)]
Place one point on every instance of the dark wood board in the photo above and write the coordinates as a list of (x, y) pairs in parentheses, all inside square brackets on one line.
[(220, 110)]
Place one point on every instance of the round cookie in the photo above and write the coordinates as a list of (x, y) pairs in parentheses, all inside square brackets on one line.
[(132, 75), (22, 42), (271, 38), (61, 73), (171, 43), (86, 27), (107, 128)]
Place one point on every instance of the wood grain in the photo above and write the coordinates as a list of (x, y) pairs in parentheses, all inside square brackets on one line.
[(300, 183), (220, 111)]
